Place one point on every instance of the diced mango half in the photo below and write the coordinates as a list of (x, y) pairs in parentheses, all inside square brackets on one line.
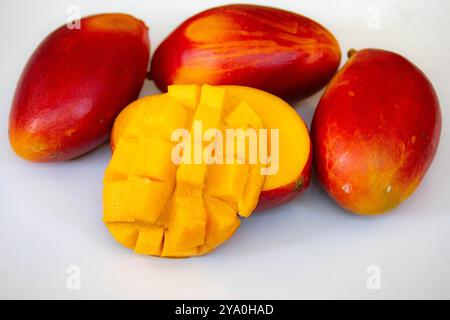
[(161, 208)]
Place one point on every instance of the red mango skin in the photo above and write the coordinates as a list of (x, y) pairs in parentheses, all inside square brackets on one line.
[(273, 198), (274, 50), (75, 84), (375, 131)]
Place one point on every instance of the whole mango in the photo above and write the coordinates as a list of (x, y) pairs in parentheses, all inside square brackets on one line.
[(75, 84), (375, 131), (274, 50)]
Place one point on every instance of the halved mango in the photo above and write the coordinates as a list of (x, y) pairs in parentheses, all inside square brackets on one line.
[(295, 150), (158, 207)]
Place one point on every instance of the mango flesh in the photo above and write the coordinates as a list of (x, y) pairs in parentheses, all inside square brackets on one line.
[(375, 131), (274, 50), (295, 149), (156, 207), (75, 84)]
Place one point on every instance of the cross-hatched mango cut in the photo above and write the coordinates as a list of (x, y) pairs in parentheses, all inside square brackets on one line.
[(146, 158), (135, 199), (164, 115), (157, 206)]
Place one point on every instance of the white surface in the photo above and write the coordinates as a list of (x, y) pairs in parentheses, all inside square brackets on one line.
[(51, 213)]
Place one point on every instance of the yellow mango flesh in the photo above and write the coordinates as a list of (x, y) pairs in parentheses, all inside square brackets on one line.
[(293, 156), (156, 207)]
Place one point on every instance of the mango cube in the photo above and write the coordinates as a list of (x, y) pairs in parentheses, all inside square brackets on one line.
[(171, 250), (244, 115), (227, 181), (115, 207), (124, 233), (152, 159), (192, 174), (213, 97), (186, 94), (221, 221), (158, 123), (187, 225), (150, 240), (119, 166), (135, 199), (249, 199), (207, 118)]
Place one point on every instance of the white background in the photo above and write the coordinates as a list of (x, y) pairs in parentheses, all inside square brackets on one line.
[(310, 248)]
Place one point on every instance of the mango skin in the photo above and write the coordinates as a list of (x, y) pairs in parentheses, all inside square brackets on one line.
[(375, 131), (273, 198), (75, 84), (274, 50)]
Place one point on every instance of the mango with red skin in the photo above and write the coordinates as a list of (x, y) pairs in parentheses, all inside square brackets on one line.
[(277, 51), (375, 131), (75, 84)]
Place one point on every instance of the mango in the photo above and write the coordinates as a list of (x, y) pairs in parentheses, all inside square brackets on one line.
[(375, 131), (158, 207), (277, 51), (267, 111), (75, 84)]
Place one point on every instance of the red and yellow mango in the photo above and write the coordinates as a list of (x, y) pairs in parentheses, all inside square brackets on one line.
[(295, 149), (375, 131), (75, 84), (158, 207), (274, 50)]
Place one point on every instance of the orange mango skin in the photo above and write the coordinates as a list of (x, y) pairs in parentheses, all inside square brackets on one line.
[(375, 131), (75, 84), (274, 50)]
